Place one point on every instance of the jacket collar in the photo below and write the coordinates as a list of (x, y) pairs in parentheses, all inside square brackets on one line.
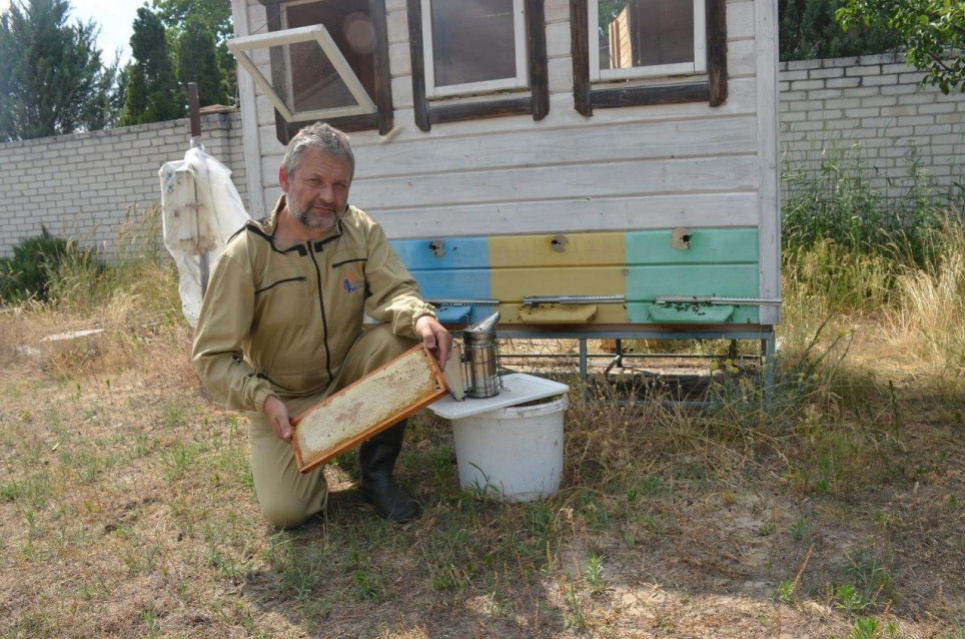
[(270, 224)]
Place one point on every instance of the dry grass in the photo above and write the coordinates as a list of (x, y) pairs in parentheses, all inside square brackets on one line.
[(929, 322), (126, 504)]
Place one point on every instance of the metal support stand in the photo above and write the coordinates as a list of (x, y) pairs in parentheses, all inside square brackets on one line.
[(763, 334)]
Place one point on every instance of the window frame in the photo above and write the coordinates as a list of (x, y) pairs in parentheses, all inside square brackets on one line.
[(455, 109), (384, 118), (312, 33), (521, 81), (712, 89), (698, 66)]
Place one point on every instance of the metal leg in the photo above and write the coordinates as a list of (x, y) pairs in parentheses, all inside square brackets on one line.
[(764, 335), (767, 350), (583, 360), (617, 360), (584, 373)]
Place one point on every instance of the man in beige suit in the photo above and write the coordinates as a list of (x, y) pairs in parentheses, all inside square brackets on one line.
[(281, 325)]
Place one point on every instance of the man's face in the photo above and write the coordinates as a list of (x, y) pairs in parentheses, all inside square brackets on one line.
[(317, 192)]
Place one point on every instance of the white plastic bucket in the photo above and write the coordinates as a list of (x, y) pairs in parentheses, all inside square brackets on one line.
[(512, 454)]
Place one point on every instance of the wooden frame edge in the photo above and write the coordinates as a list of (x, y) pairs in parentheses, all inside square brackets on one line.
[(350, 443), (538, 63), (480, 110), (420, 105), (645, 96), (716, 25), (383, 73), (580, 50)]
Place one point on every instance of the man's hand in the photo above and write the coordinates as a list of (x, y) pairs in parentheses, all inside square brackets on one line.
[(277, 414), (436, 338)]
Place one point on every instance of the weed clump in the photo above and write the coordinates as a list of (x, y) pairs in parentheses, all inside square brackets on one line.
[(840, 203), (32, 271)]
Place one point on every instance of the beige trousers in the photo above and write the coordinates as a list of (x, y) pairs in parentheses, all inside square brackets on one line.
[(287, 497)]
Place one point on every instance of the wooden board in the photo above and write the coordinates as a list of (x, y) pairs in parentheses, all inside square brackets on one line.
[(384, 397)]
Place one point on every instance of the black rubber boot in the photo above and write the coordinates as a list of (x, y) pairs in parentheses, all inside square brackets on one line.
[(377, 458)]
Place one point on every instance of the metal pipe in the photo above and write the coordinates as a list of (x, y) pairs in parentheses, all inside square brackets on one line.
[(462, 302), (714, 300), (626, 356), (573, 299)]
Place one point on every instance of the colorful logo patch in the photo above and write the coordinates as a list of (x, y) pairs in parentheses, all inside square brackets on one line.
[(352, 283)]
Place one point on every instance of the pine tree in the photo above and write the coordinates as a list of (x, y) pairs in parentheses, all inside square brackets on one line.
[(152, 89), (198, 63), (52, 81), (216, 17)]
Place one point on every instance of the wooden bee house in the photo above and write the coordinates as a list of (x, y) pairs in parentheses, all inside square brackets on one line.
[(585, 167)]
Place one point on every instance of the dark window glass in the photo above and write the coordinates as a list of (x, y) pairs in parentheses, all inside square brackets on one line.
[(472, 41), (641, 33)]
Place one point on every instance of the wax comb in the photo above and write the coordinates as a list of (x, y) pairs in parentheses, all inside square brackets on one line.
[(384, 397)]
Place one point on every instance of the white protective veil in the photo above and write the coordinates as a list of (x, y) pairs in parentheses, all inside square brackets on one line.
[(201, 210)]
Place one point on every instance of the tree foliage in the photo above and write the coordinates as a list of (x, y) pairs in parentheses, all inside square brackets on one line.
[(152, 89), (809, 30), (198, 63), (215, 15), (931, 31), (52, 80)]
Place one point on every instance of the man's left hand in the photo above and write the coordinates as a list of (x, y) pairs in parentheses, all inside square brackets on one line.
[(436, 338)]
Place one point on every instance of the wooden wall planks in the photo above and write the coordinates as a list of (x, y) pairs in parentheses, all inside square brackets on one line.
[(573, 214), (654, 167)]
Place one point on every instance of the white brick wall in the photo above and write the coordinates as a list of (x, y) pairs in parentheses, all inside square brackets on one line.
[(872, 108), (81, 186)]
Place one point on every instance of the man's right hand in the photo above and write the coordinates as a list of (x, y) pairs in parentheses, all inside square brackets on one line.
[(277, 414)]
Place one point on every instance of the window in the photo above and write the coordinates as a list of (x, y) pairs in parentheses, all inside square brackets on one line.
[(635, 52), (646, 38), (474, 46), (317, 84), (322, 60), (465, 49), (310, 77)]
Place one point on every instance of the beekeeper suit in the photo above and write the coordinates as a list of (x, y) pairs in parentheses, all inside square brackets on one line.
[(281, 325)]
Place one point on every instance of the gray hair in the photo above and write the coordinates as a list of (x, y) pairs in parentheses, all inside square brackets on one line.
[(323, 138)]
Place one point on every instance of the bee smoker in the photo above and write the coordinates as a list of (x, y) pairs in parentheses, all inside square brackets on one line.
[(480, 359)]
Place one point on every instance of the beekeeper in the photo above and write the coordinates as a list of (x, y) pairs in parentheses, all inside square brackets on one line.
[(281, 325)]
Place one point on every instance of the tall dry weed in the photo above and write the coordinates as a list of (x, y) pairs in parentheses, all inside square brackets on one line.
[(839, 279), (928, 320)]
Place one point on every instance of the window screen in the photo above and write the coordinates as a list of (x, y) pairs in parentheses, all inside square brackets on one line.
[(314, 82)]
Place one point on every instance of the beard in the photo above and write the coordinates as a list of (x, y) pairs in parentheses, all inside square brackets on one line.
[(311, 217)]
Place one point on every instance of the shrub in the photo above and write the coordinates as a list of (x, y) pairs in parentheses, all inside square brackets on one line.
[(809, 29), (839, 204), (36, 260)]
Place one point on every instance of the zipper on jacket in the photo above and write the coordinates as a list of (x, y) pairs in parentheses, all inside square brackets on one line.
[(321, 305)]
